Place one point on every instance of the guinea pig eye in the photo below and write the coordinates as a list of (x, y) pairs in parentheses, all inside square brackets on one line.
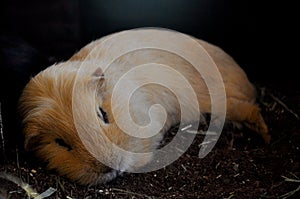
[(103, 115), (62, 143)]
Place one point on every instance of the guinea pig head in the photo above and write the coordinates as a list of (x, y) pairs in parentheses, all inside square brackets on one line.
[(73, 133)]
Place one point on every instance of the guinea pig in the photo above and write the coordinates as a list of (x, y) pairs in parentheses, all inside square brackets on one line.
[(76, 96)]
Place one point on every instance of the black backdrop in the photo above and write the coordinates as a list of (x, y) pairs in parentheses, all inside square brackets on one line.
[(255, 33)]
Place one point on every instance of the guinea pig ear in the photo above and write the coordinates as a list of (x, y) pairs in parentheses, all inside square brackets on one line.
[(32, 142), (98, 76), (98, 73)]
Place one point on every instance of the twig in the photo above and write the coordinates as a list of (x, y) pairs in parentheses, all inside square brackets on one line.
[(284, 106), (231, 195), (31, 193), (130, 192), (290, 180), (284, 196), (293, 175), (293, 191), (18, 163), (2, 134), (46, 193)]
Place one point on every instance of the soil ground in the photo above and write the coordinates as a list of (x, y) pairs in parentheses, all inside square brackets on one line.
[(240, 165)]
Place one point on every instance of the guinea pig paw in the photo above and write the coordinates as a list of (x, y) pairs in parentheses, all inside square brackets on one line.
[(107, 177)]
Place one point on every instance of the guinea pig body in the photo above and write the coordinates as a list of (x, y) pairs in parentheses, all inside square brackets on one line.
[(74, 92)]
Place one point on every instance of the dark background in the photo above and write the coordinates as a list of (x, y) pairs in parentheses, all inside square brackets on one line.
[(260, 35), (255, 33)]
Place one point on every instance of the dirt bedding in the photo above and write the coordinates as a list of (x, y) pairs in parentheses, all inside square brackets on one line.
[(240, 165)]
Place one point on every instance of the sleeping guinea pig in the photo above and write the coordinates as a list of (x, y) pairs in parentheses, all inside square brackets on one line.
[(70, 119)]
